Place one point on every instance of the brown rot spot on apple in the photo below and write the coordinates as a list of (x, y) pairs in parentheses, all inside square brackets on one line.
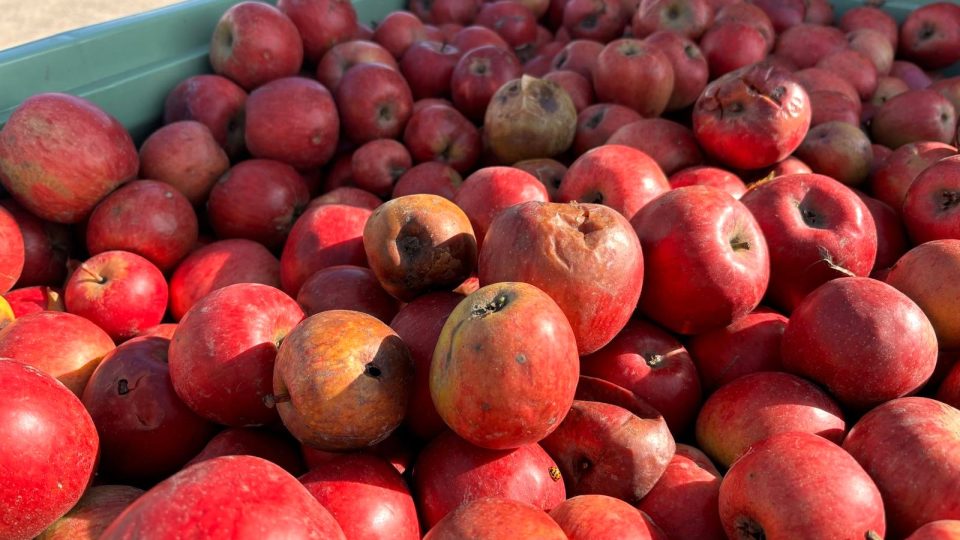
[(372, 370), (500, 301), (123, 387), (949, 200), (547, 99), (589, 22), (748, 529), (595, 120), (927, 31), (521, 358)]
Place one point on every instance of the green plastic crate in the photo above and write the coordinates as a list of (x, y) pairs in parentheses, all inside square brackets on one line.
[(129, 65)]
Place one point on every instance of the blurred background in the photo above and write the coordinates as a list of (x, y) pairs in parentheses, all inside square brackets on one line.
[(22, 22)]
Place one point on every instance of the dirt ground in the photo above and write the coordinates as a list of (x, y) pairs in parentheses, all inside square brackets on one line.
[(22, 22)]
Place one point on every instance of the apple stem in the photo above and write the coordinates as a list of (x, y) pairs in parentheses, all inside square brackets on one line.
[(96, 277), (271, 400), (740, 245)]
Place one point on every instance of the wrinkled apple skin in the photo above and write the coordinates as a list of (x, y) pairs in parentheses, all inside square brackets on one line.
[(752, 117), (505, 368)]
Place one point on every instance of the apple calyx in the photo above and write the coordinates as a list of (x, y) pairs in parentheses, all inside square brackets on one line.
[(948, 200), (748, 529)]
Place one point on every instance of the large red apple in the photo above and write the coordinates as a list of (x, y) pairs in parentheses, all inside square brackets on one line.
[(930, 35), (478, 75), (46, 247), (268, 443), (864, 340), (490, 190), (914, 116), (61, 154), (254, 43), (633, 73), (911, 449), (718, 242), (441, 133), (505, 368), (931, 208), (596, 123), (343, 56), (234, 496), (746, 346), (325, 235), (214, 101), (186, 155), (800, 485), (892, 179), (222, 352), (321, 23), (347, 287), (50, 450), (374, 102), (683, 502)]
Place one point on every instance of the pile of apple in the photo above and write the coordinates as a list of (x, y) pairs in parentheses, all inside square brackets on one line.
[(587, 269)]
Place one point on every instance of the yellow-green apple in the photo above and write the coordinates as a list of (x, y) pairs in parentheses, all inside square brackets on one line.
[(214, 101), (599, 517), (50, 450), (492, 518), (254, 43), (911, 449), (342, 380), (185, 155), (490, 190), (816, 229), (321, 23), (797, 484), (862, 339), (325, 235), (236, 496), (931, 208), (683, 502), (604, 449), (719, 242), (163, 236), (257, 199), (450, 471), (923, 274), (98, 507), (366, 495), (146, 432), (749, 345), (223, 351), (347, 287), (505, 368), (752, 117), (61, 154)]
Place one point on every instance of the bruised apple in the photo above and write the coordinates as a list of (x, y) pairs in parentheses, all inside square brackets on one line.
[(529, 118)]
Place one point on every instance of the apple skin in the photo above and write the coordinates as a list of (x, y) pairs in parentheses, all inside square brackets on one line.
[(670, 144), (50, 450), (505, 410), (730, 45), (599, 517), (864, 340), (688, 19), (98, 507), (511, 20), (839, 150), (548, 172), (185, 155), (349, 196), (702, 175), (891, 181), (378, 164), (923, 274), (805, 44), (930, 35), (450, 472), (227, 382), (419, 243), (942, 529), (398, 31), (764, 491), (759, 405), (60, 175), (492, 518), (257, 199), (579, 55), (343, 56), (419, 324), (146, 432), (604, 391), (13, 257), (237, 496), (214, 101), (576, 85), (441, 133), (829, 234), (911, 438), (347, 287), (428, 67), (949, 390), (855, 67), (445, 12), (321, 24), (914, 116), (931, 209), (633, 73), (367, 497), (293, 120), (121, 292), (652, 364), (163, 236), (752, 117), (714, 236), (814, 79), (27, 300), (217, 265), (683, 502), (596, 123), (478, 75), (278, 448), (46, 246), (342, 380), (71, 358), (585, 256), (690, 70), (474, 36), (873, 18), (374, 102), (604, 449), (873, 45), (325, 235), (254, 43), (490, 190), (431, 178)]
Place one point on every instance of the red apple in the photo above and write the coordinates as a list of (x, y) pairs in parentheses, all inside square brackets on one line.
[(445, 12), (914, 116), (321, 23), (942, 529), (428, 67), (293, 120), (398, 31), (596, 123), (874, 46), (185, 155), (864, 340), (801, 485), (222, 352), (511, 20), (633, 73), (931, 208), (278, 448), (618, 176), (46, 246), (709, 176), (378, 164), (549, 172), (838, 150), (474, 36), (163, 236), (98, 507), (690, 71), (731, 45), (27, 300), (684, 18), (346, 287), (254, 43), (50, 450), (479, 73), (343, 56), (597, 20), (490, 190), (515, 331), (374, 102), (670, 144), (911, 449), (814, 79), (579, 55), (492, 518), (348, 196), (576, 85), (599, 517), (870, 17), (236, 496), (930, 35), (146, 432), (60, 155), (441, 133), (428, 178), (325, 235), (119, 291), (214, 101), (749, 345), (923, 274), (805, 44), (893, 178), (683, 502), (891, 234), (12, 258)]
